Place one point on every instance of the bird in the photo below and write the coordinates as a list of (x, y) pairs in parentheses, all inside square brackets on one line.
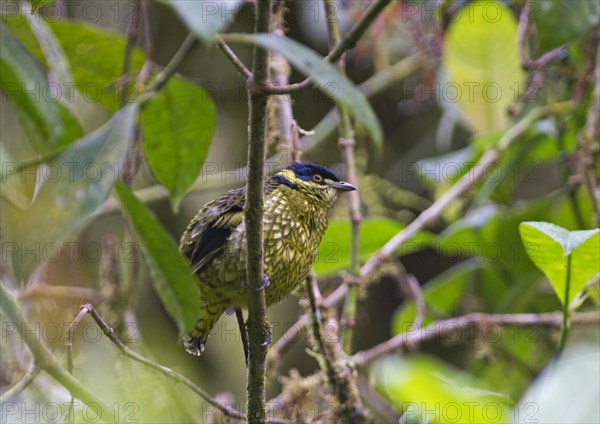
[(296, 203)]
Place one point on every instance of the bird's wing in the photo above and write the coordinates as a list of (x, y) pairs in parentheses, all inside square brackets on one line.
[(207, 233)]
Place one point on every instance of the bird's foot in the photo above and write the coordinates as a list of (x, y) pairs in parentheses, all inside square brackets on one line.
[(269, 338), (266, 282)]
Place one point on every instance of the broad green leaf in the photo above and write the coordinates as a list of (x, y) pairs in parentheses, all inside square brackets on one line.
[(562, 21), (72, 187), (36, 4), (205, 18), (442, 295), (46, 123), (551, 248), (171, 274), (426, 390), (95, 74), (334, 250), (58, 64), (178, 126), (483, 65), (329, 80), (567, 391)]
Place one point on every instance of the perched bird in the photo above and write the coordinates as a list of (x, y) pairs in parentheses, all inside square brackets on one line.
[(296, 202)]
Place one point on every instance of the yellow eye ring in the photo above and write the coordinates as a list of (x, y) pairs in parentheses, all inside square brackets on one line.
[(317, 178)]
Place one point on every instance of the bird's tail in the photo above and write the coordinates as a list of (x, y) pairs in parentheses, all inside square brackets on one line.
[(195, 341)]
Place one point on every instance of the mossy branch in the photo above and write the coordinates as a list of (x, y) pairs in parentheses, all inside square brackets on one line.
[(258, 331)]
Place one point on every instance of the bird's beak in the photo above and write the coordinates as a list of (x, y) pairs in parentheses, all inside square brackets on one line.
[(343, 186)]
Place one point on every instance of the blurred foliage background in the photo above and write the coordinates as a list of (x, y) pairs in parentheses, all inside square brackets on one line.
[(446, 81)]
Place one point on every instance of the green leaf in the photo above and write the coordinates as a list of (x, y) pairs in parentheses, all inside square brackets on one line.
[(551, 248), (334, 250), (205, 18), (95, 55), (567, 391), (483, 65), (46, 123), (178, 126), (58, 64), (562, 21), (427, 390), (36, 4), (72, 188), (96, 74), (171, 274), (329, 80), (442, 296)]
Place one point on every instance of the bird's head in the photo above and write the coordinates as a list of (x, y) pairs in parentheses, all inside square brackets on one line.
[(317, 182)]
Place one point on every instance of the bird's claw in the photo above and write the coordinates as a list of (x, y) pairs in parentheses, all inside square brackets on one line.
[(269, 338), (265, 284)]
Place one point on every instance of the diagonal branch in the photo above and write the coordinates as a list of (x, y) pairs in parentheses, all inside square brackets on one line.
[(341, 46), (22, 384), (234, 59), (167, 372), (447, 327)]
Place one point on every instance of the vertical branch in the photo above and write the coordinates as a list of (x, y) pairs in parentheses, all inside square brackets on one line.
[(258, 331), (346, 144), (132, 36)]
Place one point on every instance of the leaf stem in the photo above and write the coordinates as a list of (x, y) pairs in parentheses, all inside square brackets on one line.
[(566, 322), (188, 45)]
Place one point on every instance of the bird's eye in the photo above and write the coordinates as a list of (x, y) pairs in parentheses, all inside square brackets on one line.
[(317, 178)]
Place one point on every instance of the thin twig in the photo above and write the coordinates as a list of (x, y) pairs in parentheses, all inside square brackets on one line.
[(340, 378), (69, 347), (376, 401), (346, 145), (346, 43), (126, 351), (286, 125), (188, 45), (234, 59), (22, 384), (590, 135), (312, 292), (131, 39), (442, 329), (415, 292), (148, 41), (526, 61), (258, 330), (45, 359)]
